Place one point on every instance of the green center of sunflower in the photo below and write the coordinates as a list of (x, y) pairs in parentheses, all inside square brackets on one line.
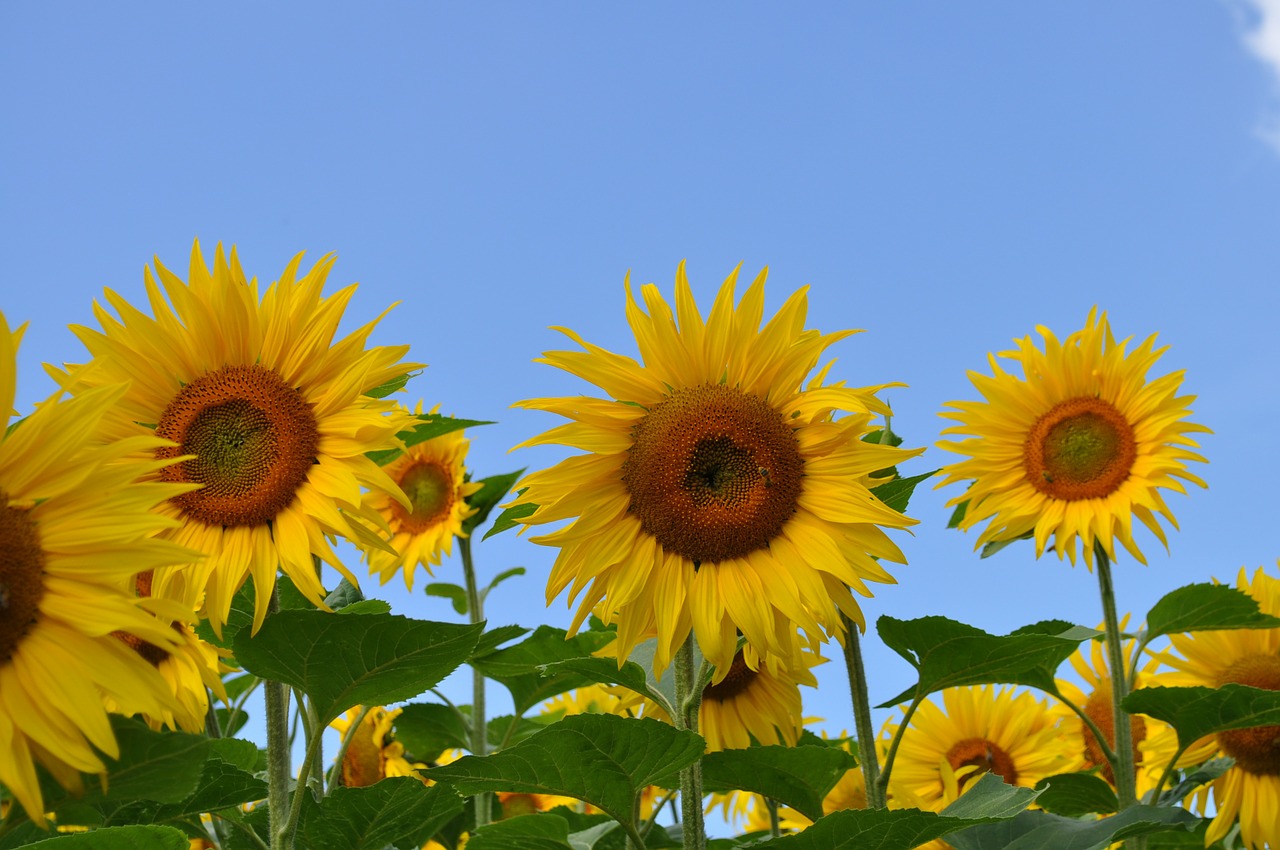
[(713, 473), (430, 491), (1099, 710), (986, 756), (21, 576), (1083, 448), (254, 439), (737, 680), (1255, 750)]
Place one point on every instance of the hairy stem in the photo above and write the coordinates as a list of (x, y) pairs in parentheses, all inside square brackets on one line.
[(279, 766), (479, 728), (857, 672), (1124, 765), (688, 704)]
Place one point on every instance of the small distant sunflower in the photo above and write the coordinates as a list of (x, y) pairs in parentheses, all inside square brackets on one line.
[(271, 413), (1076, 447), (372, 755), (1090, 662), (1251, 789), (589, 699), (432, 475), (977, 730), (719, 492), (75, 526)]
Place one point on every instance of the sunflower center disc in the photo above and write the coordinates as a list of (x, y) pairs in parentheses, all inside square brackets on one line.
[(713, 473), (986, 756), (1255, 750), (430, 491), (21, 576), (737, 680), (254, 439), (1083, 448), (1098, 708)]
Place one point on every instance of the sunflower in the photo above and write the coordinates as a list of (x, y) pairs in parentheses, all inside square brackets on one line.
[(1090, 663), (1075, 448), (719, 493), (432, 474), (1250, 790), (371, 754), (75, 527), (264, 410), (978, 729)]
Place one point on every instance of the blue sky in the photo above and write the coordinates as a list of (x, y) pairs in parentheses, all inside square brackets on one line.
[(945, 176)]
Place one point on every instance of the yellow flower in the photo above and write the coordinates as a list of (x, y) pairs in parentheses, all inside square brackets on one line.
[(1251, 789), (978, 729), (1075, 448), (268, 409), (432, 475), (589, 699), (718, 493), (371, 754), (75, 526), (1090, 663)]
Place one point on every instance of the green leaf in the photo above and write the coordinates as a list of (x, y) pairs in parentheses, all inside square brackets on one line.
[(500, 578), (429, 425), (518, 667), (231, 720), (241, 614), (454, 593), (360, 659), (602, 759), (996, 545), (799, 777), (957, 516), (902, 829), (119, 838), (507, 519), (427, 729), (897, 493), (495, 637), (222, 785), (526, 727), (1076, 794), (343, 595), (528, 832), (1205, 607), (384, 390), (946, 653), (1196, 712), (398, 811), (1203, 774), (605, 670), (493, 490), (876, 437), (1043, 831), (366, 606)]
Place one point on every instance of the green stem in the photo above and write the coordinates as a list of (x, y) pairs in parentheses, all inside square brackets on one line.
[(857, 672), (304, 773), (775, 828), (479, 728), (882, 785), (688, 704), (279, 766), (1098, 736), (1124, 765), (1164, 777)]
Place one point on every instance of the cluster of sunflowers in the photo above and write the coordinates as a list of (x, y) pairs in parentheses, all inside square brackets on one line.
[(728, 503)]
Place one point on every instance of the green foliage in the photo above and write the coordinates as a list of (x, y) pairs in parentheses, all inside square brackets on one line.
[(453, 592), (1076, 794), (518, 667), (118, 838), (902, 829), (509, 516), (799, 777), (1205, 773), (947, 654), (957, 516), (493, 490), (1196, 712), (605, 670), (528, 832), (429, 425), (391, 386), (240, 615), (897, 493), (397, 811), (602, 759), (1204, 607), (1044, 831), (360, 659), (427, 729)]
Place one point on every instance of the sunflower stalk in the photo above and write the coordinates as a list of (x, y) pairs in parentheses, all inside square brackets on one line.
[(1123, 765), (279, 766), (688, 704), (479, 727), (857, 672)]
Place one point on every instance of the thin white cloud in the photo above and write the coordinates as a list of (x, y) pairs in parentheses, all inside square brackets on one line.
[(1262, 37)]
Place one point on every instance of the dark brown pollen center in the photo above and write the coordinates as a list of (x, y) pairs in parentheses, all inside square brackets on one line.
[(1255, 750), (254, 439), (986, 756), (713, 473), (21, 576), (737, 680)]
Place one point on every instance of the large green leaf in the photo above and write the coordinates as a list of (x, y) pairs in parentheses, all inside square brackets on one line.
[(519, 667), (509, 516), (118, 838), (429, 425), (240, 615), (398, 811), (799, 777), (947, 654), (1043, 831), (897, 493), (1196, 712), (357, 659), (527, 832), (1205, 607), (225, 781), (903, 829), (602, 759), (427, 729), (492, 490), (1076, 794)]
